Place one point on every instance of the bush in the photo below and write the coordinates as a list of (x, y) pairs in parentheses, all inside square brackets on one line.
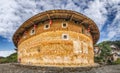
[(116, 62), (9, 59)]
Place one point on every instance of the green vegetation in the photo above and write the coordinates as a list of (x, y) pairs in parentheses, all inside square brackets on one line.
[(106, 52), (9, 59), (117, 62)]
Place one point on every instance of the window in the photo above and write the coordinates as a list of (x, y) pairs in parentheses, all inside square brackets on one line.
[(38, 49), (24, 36), (82, 30), (47, 26), (65, 36), (64, 25), (32, 32)]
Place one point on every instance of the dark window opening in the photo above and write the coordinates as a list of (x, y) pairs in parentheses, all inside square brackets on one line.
[(64, 25), (82, 30), (46, 26), (38, 50), (33, 31), (65, 36)]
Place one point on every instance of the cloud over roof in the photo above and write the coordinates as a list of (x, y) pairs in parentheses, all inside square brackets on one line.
[(6, 53), (105, 13)]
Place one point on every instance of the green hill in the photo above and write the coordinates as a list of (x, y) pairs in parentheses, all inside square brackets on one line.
[(9, 59)]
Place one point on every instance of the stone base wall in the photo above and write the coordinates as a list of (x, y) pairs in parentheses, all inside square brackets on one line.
[(51, 49)]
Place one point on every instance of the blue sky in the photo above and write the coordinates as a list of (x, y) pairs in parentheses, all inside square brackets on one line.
[(105, 13), (5, 44)]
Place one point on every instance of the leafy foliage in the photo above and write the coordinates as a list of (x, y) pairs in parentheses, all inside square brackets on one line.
[(9, 59), (117, 62), (106, 52)]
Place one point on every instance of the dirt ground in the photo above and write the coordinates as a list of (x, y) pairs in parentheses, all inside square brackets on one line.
[(16, 68)]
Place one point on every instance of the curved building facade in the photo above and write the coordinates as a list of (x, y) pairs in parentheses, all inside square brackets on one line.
[(57, 38)]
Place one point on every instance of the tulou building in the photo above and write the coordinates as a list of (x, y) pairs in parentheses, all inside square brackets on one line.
[(56, 38)]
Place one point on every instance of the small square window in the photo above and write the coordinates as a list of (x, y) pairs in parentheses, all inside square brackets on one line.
[(32, 32), (64, 25), (47, 26), (38, 50), (82, 30), (24, 36), (65, 36)]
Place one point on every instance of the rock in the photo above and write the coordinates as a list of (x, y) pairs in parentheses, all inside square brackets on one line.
[(16, 68)]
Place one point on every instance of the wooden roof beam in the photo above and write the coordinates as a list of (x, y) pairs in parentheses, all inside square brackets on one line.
[(48, 16), (71, 17)]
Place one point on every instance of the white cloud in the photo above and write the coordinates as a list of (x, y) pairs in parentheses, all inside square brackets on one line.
[(14, 12), (97, 12), (6, 53), (114, 1), (114, 28), (8, 18), (111, 34)]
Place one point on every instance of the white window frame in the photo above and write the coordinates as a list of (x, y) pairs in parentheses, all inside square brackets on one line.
[(31, 31), (45, 26), (65, 26), (65, 38)]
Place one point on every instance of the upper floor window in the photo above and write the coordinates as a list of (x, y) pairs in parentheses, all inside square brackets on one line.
[(65, 36), (32, 32), (83, 30), (47, 26), (64, 25)]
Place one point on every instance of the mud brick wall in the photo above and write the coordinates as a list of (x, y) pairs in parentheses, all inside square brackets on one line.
[(47, 47)]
